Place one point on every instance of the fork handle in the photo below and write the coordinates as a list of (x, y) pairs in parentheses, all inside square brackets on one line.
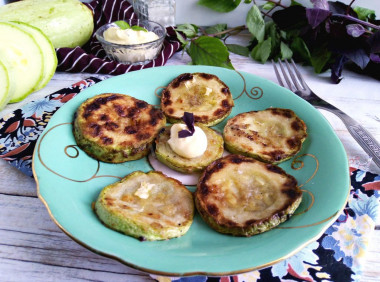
[(360, 134)]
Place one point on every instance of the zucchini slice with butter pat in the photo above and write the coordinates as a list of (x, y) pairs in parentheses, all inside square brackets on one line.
[(272, 135), (148, 206), (167, 156), (241, 196)]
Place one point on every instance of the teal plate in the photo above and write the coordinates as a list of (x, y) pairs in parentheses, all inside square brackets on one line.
[(69, 182)]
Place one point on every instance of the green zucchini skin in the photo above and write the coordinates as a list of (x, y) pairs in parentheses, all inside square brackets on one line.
[(273, 135), (232, 193), (168, 157), (146, 219), (67, 23)]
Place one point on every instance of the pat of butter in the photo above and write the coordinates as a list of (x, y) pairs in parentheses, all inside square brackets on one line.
[(188, 147), (208, 91), (144, 189)]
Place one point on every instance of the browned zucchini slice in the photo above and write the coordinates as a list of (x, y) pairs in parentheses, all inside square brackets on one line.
[(272, 135), (116, 128), (167, 156), (202, 94), (242, 196), (148, 206)]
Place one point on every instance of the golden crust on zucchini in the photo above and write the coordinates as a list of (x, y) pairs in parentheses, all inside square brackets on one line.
[(148, 206), (272, 135), (202, 94), (168, 157), (116, 128), (242, 196)]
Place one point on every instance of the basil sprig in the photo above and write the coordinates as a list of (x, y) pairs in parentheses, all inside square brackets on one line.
[(124, 25)]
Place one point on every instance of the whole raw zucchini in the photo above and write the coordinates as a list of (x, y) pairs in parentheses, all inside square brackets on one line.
[(67, 23)]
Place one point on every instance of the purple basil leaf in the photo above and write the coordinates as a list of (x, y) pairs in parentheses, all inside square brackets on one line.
[(358, 56), (341, 8), (184, 133), (337, 68), (316, 16), (293, 17), (375, 58), (320, 4), (374, 42), (355, 30), (188, 118)]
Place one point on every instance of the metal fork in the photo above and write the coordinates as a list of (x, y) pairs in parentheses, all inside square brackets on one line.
[(297, 84)]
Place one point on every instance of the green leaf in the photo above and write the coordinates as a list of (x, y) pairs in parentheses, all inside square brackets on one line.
[(299, 47), (209, 51), (295, 3), (255, 23), (320, 58), (365, 14), (275, 35), (238, 49), (181, 39), (222, 6), (262, 51), (268, 6), (286, 52), (216, 28), (122, 24), (138, 28), (190, 30)]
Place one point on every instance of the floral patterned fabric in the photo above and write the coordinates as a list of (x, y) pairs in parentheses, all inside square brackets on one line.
[(336, 256), (20, 129)]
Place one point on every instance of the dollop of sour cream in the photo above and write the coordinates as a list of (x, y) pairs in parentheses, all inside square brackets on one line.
[(128, 36), (188, 147)]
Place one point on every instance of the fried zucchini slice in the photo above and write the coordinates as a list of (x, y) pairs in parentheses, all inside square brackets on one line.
[(241, 196), (202, 94), (272, 135), (167, 156), (148, 206), (116, 128)]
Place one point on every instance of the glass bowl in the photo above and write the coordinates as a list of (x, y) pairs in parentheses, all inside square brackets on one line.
[(136, 54)]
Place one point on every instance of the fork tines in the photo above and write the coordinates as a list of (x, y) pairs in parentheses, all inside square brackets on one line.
[(295, 76)]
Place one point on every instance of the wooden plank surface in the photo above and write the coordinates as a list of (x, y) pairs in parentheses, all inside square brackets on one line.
[(33, 248)]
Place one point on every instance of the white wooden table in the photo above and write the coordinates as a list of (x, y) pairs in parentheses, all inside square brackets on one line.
[(33, 248)]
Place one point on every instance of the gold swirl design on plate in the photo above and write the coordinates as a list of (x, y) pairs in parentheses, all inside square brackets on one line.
[(309, 225), (255, 92), (310, 205), (159, 89), (299, 164), (73, 156)]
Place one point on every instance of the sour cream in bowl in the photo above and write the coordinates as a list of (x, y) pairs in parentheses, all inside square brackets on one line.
[(132, 42)]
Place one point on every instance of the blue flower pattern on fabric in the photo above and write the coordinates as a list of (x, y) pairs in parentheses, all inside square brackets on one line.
[(365, 205), (297, 262), (37, 108)]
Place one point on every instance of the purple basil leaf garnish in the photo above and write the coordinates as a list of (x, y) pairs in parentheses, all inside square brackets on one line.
[(188, 118), (184, 133)]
